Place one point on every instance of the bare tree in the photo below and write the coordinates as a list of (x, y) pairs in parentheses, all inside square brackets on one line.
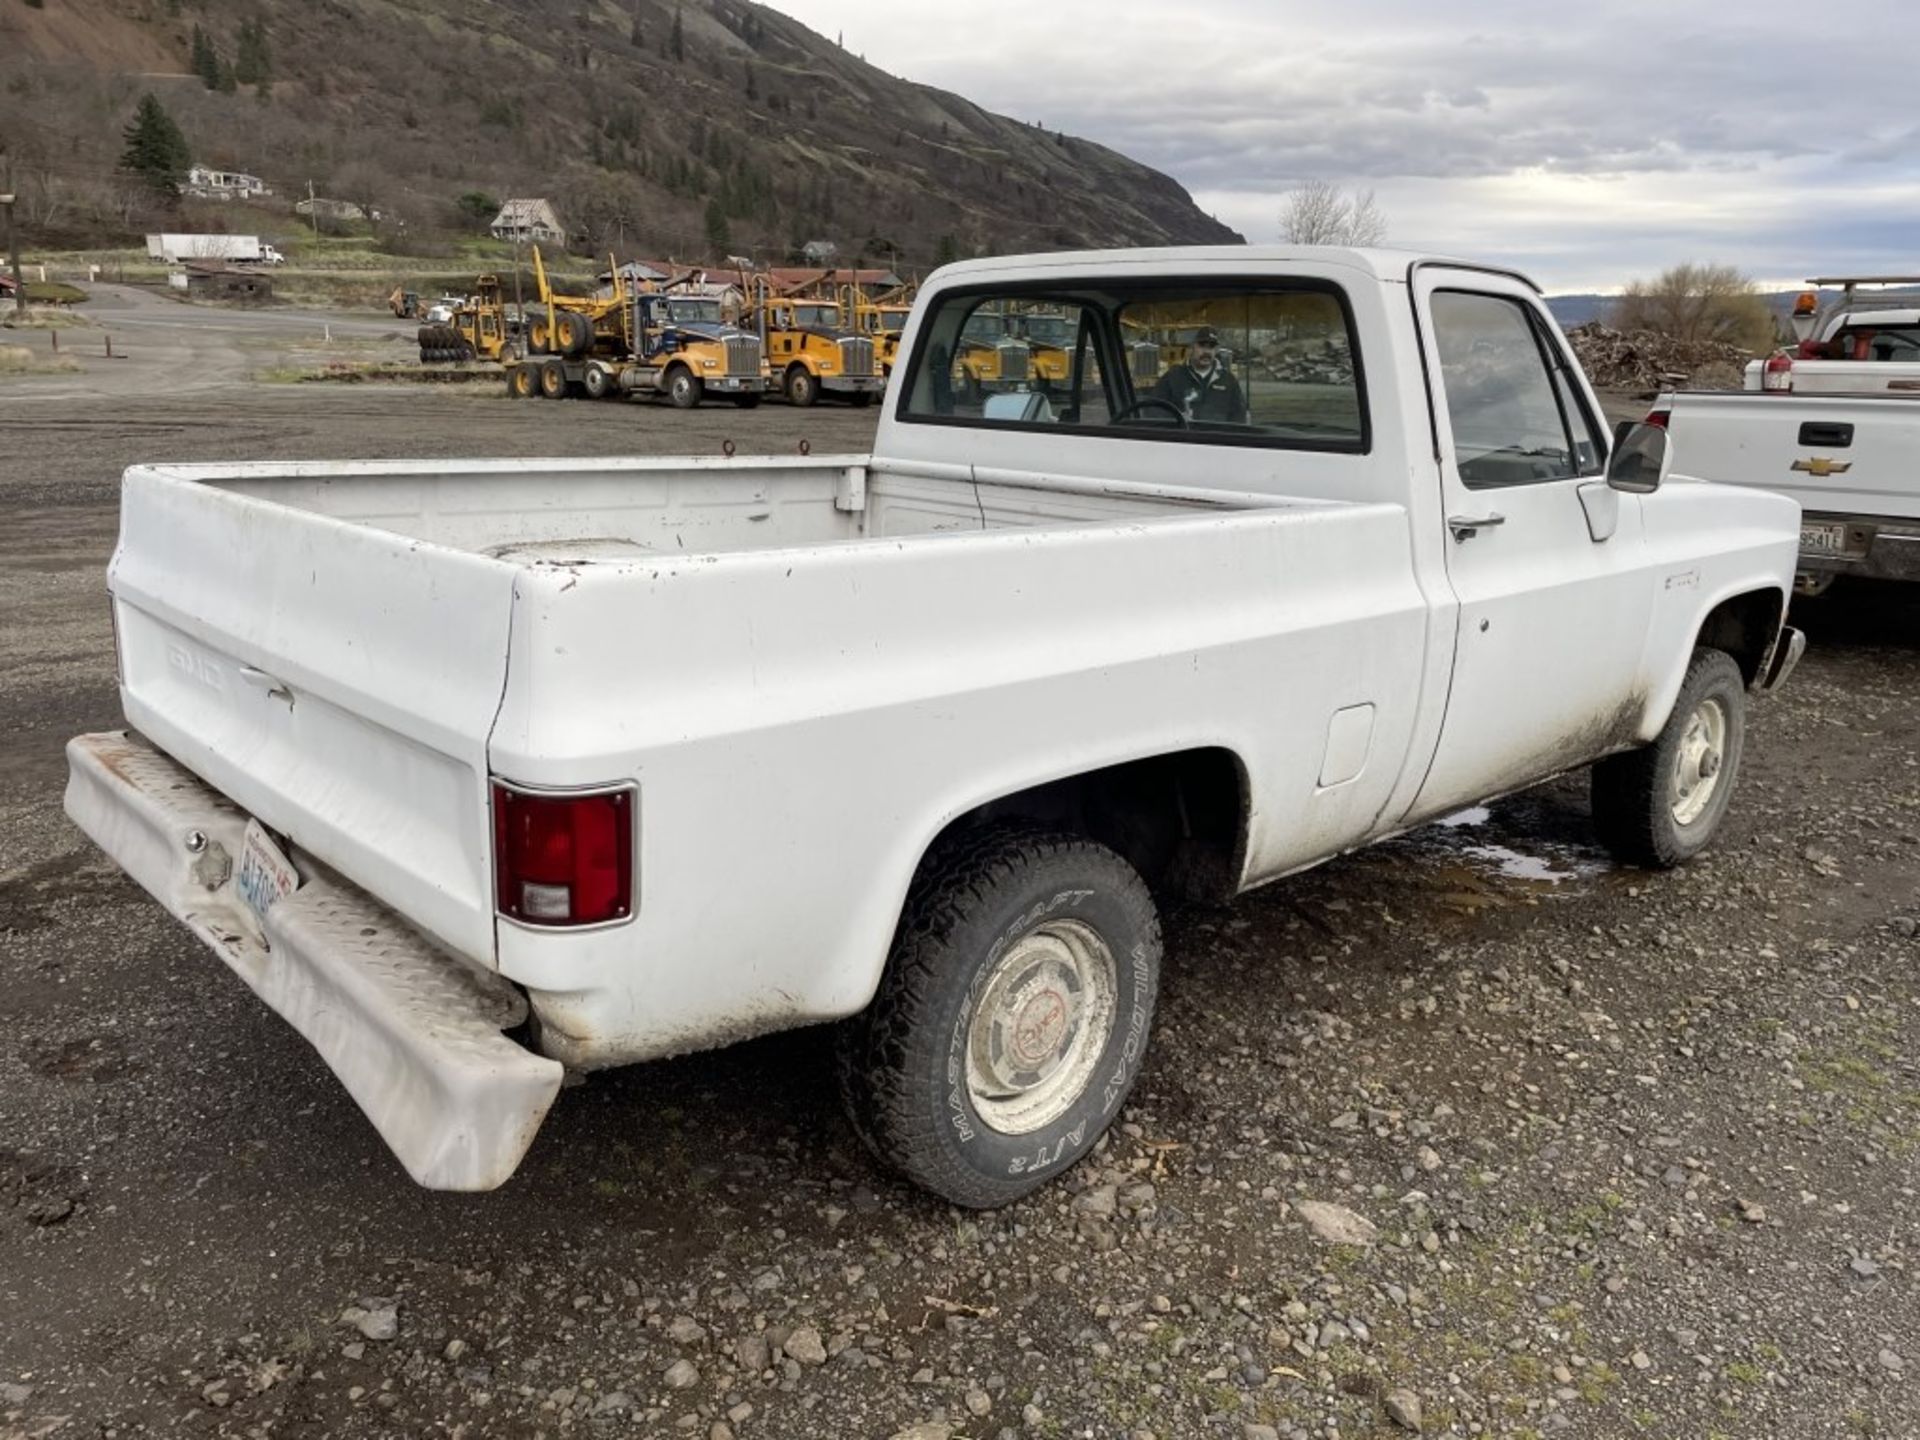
[(1698, 303), (1319, 212)]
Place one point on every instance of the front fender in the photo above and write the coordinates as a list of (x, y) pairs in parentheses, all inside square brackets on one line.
[(1707, 544)]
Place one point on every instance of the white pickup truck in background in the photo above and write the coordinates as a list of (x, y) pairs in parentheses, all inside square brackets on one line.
[(635, 758), (1836, 426)]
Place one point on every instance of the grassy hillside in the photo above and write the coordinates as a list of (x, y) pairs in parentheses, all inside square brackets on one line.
[(651, 125)]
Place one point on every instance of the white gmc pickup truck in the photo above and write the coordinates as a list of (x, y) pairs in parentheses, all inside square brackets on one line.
[(477, 771)]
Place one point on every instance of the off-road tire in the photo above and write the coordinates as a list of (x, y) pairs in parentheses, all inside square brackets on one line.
[(521, 384), (553, 380), (902, 1063), (539, 334), (799, 386), (684, 388), (574, 333), (1633, 793)]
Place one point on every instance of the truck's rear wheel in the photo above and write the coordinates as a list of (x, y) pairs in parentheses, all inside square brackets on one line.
[(799, 386), (1013, 1015), (553, 380), (1660, 805), (520, 382), (684, 388)]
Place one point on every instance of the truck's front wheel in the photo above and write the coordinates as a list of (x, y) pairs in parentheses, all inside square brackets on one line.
[(1660, 805), (684, 388), (800, 386), (1013, 1015)]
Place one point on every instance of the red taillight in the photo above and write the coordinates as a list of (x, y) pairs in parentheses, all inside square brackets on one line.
[(1658, 418), (1777, 374), (563, 859)]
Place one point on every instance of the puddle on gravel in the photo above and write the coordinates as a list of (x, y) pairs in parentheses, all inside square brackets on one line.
[(1548, 864)]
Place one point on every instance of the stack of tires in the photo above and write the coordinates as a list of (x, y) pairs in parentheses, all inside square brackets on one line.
[(443, 345)]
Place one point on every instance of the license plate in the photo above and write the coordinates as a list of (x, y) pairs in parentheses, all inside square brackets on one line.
[(265, 876), (1823, 539)]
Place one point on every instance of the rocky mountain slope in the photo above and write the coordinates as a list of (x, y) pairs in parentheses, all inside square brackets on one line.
[(655, 126)]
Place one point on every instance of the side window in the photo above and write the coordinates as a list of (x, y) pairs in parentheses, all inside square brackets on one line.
[(1510, 410), (1233, 362)]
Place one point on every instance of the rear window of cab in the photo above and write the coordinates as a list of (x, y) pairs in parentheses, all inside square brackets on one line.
[(1237, 362)]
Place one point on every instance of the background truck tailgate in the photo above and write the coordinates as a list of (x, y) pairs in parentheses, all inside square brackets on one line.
[(335, 681)]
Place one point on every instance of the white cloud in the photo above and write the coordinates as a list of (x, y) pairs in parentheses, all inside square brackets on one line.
[(1589, 144)]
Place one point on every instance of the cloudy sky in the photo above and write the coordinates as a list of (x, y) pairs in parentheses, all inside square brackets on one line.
[(1587, 143)]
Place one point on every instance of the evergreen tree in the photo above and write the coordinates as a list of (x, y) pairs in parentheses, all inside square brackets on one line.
[(677, 42), (948, 252), (253, 61), (719, 234), (156, 150), (206, 60), (223, 80), (753, 89)]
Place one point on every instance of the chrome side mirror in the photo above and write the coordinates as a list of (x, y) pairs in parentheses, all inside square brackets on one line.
[(1642, 458)]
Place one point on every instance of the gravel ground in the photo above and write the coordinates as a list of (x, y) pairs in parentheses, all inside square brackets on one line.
[(1471, 1132)]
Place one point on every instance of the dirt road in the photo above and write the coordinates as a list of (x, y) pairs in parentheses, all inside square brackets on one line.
[(1641, 1149)]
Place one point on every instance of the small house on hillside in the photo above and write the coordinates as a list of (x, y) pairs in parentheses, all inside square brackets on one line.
[(528, 220), (206, 183)]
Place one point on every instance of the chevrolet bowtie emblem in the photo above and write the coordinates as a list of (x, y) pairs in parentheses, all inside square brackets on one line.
[(1820, 466)]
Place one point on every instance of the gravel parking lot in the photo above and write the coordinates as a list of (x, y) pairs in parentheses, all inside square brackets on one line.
[(1472, 1132)]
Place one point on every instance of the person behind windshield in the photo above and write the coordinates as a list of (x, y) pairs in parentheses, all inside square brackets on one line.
[(1202, 388)]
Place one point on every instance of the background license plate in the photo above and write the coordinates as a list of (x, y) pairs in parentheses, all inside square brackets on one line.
[(1824, 539), (265, 875)]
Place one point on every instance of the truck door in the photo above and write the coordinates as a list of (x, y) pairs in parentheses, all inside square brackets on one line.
[(1548, 564)]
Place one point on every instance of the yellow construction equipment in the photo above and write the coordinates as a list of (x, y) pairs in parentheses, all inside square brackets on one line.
[(479, 328)]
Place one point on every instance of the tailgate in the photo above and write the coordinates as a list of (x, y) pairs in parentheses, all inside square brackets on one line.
[(336, 681), (1836, 455)]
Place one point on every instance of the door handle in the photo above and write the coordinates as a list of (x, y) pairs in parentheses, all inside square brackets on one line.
[(1465, 527)]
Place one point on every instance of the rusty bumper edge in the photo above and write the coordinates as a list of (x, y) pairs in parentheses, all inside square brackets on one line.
[(412, 1032)]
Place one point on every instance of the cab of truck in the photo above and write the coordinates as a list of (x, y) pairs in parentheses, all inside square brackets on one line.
[(683, 346), (812, 350)]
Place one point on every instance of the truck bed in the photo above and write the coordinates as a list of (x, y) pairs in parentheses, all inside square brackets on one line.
[(566, 512), (349, 651)]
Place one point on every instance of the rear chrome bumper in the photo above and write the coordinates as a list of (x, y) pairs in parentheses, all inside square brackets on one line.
[(1876, 549), (413, 1033)]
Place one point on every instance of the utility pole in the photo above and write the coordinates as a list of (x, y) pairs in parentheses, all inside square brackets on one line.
[(313, 210), (13, 245)]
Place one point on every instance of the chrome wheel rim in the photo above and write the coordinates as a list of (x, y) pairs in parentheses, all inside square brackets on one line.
[(1697, 766), (1040, 1026)]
